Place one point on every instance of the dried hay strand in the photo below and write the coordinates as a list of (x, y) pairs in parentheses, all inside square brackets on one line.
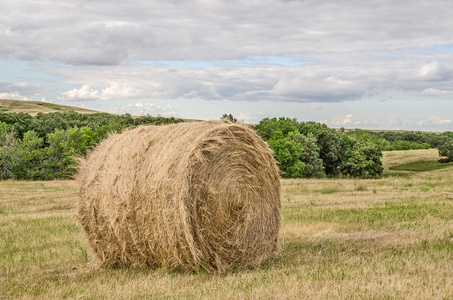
[(187, 196)]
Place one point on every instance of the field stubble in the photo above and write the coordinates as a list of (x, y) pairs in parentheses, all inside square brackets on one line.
[(340, 238)]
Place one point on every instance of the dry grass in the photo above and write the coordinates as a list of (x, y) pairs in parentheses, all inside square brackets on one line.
[(190, 195), (341, 239), (35, 107), (392, 158)]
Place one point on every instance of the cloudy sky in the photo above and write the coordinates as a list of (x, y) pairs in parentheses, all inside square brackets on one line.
[(356, 64)]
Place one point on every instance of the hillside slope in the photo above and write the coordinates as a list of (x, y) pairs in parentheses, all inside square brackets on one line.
[(35, 107)]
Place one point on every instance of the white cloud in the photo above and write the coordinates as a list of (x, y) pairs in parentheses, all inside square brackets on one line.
[(122, 91), (204, 30), (436, 120), (432, 92), (113, 91), (433, 71), (191, 94), (318, 86), (20, 90), (346, 121), (85, 92), (13, 96), (282, 52), (306, 83), (249, 117), (148, 108)]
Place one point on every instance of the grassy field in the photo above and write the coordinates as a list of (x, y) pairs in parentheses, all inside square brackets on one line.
[(35, 107), (389, 238)]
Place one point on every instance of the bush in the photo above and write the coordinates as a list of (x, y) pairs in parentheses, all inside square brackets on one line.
[(446, 151), (288, 154), (310, 149), (360, 158), (9, 154), (31, 156), (45, 146), (229, 117), (310, 155), (329, 143)]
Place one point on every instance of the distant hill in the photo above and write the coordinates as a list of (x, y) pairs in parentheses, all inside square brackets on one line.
[(35, 107)]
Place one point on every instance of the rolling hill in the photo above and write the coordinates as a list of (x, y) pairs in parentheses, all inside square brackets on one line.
[(35, 107)]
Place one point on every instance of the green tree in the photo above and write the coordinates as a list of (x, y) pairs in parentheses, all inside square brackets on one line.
[(8, 150), (280, 133), (46, 146), (310, 156), (329, 143), (64, 147), (267, 127), (288, 154), (229, 117), (446, 151), (32, 154), (360, 158)]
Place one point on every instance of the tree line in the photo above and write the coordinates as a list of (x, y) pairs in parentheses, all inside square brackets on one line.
[(46, 146), (310, 149), (405, 140)]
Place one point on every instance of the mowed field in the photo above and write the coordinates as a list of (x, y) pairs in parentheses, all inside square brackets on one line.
[(389, 238)]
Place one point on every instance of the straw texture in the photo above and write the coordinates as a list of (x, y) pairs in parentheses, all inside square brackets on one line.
[(189, 196)]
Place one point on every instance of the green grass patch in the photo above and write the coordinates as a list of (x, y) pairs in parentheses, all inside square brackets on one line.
[(421, 166), (327, 190), (390, 215), (51, 106), (425, 188)]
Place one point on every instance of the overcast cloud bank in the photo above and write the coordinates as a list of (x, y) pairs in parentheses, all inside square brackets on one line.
[(181, 53)]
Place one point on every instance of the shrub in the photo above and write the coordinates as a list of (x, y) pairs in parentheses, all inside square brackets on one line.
[(446, 151), (360, 158)]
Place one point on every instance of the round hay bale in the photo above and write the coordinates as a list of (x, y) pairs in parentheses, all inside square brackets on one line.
[(188, 195)]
